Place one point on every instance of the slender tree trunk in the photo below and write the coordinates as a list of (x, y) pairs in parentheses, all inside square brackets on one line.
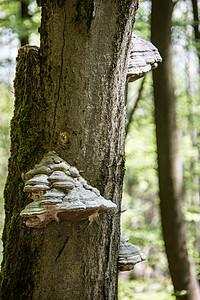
[(192, 130), (24, 37), (69, 97), (133, 109), (195, 6), (169, 167)]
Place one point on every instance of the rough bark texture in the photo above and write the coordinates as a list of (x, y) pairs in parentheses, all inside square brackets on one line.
[(170, 177), (70, 99)]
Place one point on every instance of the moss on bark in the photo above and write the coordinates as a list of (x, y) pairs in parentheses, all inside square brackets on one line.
[(27, 140)]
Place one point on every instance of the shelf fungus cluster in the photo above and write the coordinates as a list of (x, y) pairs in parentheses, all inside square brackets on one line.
[(144, 56), (60, 193), (129, 254)]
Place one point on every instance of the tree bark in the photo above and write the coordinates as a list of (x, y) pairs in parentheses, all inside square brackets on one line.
[(169, 167), (69, 97)]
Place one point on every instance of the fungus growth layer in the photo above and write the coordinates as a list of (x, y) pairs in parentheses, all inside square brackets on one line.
[(59, 192), (144, 56), (129, 254)]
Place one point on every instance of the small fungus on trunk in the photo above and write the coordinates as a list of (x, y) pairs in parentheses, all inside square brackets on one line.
[(123, 208), (144, 56), (129, 254)]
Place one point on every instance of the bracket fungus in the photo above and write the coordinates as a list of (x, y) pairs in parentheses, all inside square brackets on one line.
[(123, 208), (129, 254), (144, 56), (60, 193)]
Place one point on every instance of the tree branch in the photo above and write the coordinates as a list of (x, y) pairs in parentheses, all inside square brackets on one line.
[(196, 19), (130, 117)]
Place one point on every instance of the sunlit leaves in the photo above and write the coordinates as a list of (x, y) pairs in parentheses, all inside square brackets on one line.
[(6, 107), (10, 17)]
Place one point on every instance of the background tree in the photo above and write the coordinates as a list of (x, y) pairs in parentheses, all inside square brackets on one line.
[(24, 39), (20, 16), (169, 167)]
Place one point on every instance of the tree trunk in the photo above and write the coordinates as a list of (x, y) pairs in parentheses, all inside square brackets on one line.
[(196, 28), (69, 97), (24, 37), (169, 167)]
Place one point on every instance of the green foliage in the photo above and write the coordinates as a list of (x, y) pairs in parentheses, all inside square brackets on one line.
[(142, 26), (11, 18), (145, 290), (141, 222), (141, 175), (6, 108)]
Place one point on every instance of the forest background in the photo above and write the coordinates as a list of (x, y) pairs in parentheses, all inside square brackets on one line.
[(141, 222)]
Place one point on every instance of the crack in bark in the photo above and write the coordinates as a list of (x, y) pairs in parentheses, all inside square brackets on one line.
[(62, 248), (61, 70)]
